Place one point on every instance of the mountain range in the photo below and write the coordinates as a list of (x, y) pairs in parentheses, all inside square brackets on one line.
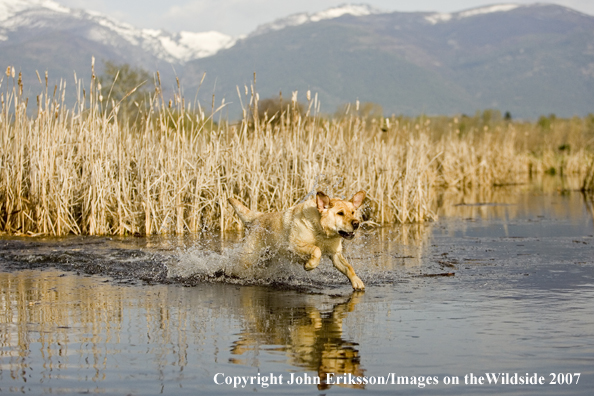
[(526, 59)]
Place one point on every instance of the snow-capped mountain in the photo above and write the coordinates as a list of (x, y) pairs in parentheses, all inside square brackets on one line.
[(302, 18), (528, 59), (28, 16), (35, 15)]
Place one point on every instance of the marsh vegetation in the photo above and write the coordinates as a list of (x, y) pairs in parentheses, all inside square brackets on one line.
[(86, 169)]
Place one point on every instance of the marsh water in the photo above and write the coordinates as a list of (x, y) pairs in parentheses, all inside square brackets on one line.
[(500, 287)]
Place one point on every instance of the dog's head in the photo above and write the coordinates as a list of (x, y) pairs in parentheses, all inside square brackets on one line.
[(338, 216)]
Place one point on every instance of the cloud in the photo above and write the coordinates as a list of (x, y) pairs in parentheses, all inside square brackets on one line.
[(586, 6), (95, 5), (233, 17)]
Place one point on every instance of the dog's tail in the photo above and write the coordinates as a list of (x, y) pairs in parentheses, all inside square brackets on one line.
[(247, 216)]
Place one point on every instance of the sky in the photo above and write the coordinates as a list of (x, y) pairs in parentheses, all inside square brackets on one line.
[(238, 17)]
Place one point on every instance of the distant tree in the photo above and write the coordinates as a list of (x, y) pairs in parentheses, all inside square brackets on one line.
[(590, 123), (545, 122), (490, 116), (507, 116), (125, 86), (368, 110), (275, 107)]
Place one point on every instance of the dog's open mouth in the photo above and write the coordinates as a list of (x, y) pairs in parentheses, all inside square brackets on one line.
[(346, 235)]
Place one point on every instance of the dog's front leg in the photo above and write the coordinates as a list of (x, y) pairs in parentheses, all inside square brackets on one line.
[(313, 253), (343, 266)]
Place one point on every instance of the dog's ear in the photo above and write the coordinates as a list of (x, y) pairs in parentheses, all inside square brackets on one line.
[(358, 198), (323, 201)]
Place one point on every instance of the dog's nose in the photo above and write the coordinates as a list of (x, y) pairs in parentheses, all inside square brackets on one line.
[(355, 224)]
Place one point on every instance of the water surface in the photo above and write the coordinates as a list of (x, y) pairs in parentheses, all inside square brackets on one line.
[(502, 284)]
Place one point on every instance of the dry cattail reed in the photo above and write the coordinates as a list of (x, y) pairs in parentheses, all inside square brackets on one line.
[(81, 170)]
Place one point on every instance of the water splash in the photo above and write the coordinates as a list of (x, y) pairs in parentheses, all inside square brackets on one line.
[(377, 257), (196, 265)]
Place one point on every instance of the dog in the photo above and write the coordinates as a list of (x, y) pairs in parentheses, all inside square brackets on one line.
[(308, 230)]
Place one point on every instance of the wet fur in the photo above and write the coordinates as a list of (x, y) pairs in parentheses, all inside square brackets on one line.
[(310, 230)]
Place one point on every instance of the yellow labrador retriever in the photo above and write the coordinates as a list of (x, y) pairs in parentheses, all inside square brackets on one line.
[(309, 230)]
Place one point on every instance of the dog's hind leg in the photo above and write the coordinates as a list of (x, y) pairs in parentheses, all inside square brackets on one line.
[(252, 249), (343, 266), (248, 256)]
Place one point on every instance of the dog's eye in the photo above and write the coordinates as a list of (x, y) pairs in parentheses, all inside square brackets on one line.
[(341, 213)]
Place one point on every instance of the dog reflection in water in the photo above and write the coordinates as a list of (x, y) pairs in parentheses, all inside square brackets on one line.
[(311, 338)]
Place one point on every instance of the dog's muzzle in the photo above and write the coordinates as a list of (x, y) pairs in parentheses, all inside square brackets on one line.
[(349, 235), (346, 235)]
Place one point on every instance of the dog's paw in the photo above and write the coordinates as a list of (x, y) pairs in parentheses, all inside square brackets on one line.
[(313, 261), (357, 283), (311, 265)]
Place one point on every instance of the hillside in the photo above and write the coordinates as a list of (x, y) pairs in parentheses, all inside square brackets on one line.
[(528, 60)]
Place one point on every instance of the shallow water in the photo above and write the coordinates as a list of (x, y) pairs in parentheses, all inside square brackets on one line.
[(112, 316)]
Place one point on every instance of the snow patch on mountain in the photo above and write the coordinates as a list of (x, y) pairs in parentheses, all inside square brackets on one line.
[(347, 9), (444, 17), (180, 47), (436, 18), (177, 48), (302, 18), (9, 8), (52, 5), (488, 10), (205, 44)]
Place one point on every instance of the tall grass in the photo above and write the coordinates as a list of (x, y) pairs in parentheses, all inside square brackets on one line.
[(81, 170)]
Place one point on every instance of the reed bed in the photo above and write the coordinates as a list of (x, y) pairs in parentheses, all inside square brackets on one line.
[(81, 170)]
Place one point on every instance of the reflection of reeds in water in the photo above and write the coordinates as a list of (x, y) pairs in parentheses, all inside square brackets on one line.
[(82, 171), (510, 202), (385, 249), (56, 326), (590, 205), (587, 186), (479, 202), (71, 321)]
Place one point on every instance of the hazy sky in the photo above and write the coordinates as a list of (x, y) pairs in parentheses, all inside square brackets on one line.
[(236, 17)]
